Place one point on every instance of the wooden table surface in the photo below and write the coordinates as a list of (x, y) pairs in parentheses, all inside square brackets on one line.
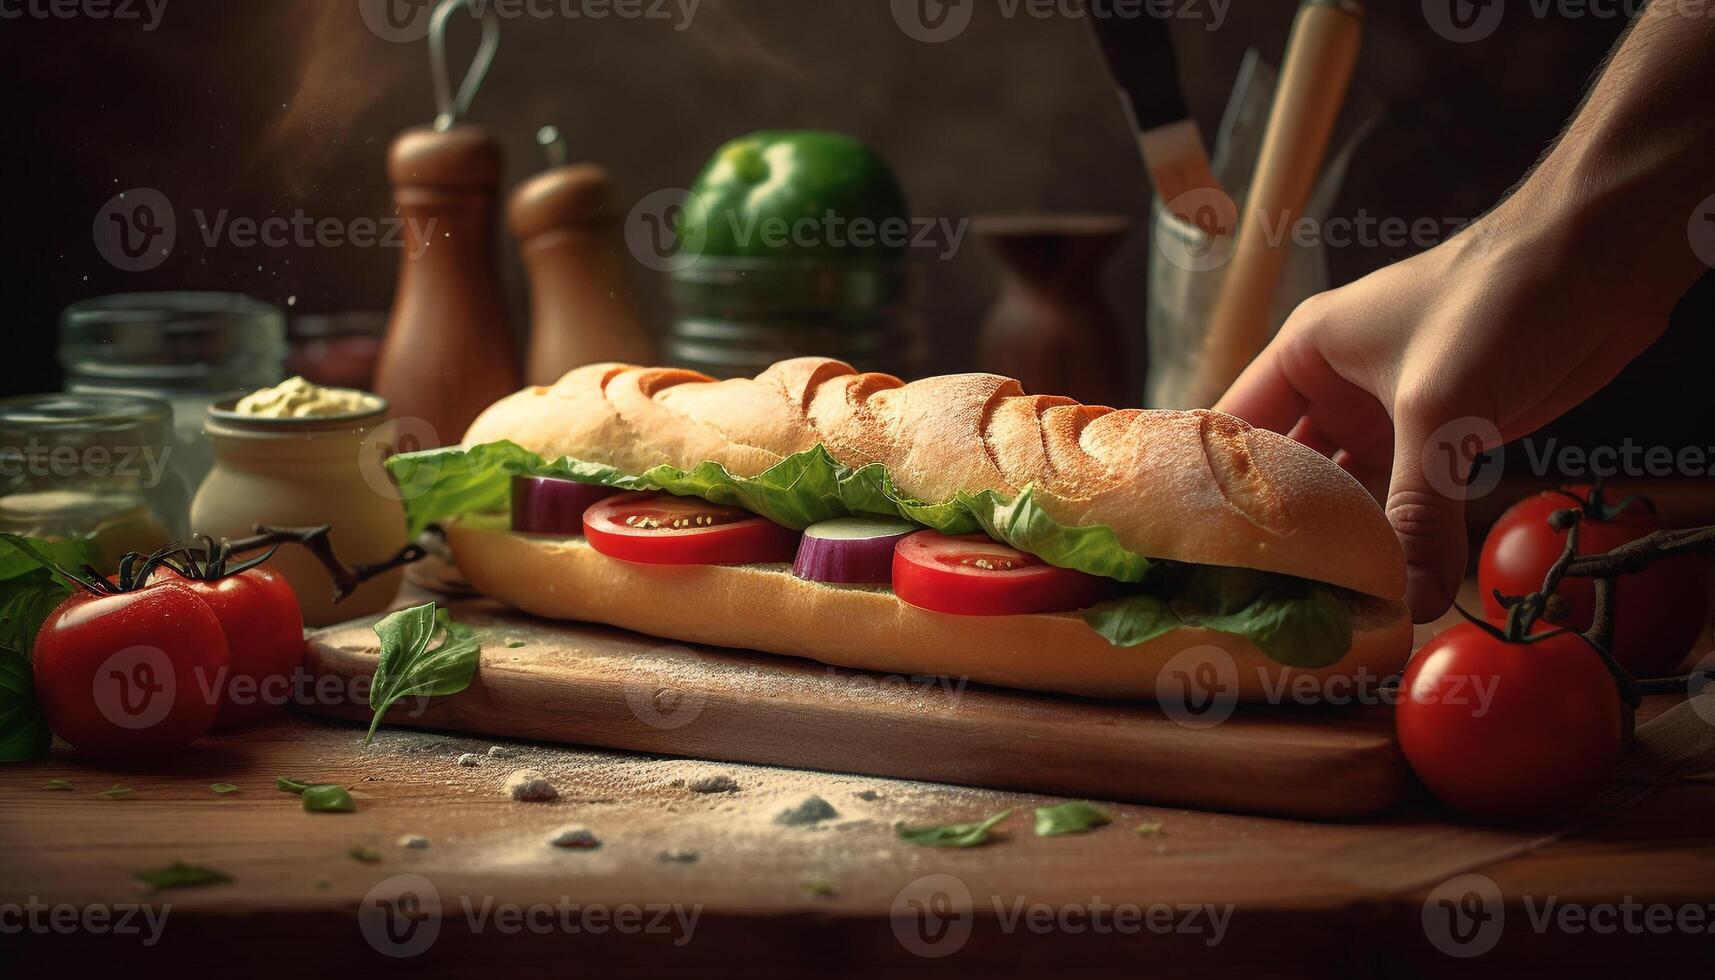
[(1206, 894)]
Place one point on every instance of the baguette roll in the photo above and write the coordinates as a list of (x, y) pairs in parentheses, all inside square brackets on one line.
[(765, 607), (1197, 487)]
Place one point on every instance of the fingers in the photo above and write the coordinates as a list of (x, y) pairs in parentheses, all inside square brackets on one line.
[(1264, 396), (1426, 506)]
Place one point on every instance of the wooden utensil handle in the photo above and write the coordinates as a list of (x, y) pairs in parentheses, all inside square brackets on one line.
[(1320, 58)]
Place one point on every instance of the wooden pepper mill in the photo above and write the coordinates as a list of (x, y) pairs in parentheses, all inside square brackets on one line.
[(568, 232), (449, 352)]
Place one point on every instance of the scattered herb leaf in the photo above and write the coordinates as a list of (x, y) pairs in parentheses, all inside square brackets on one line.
[(59, 784), (181, 875), (116, 793), (1069, 818), (328, 799), (291, 785), (820, 888), (366, 854), (514, 643), (953, 834), (223, 788), (413, 664), (1151, 828)]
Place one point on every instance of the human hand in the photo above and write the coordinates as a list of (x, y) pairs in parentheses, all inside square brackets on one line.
[(1406, 376)]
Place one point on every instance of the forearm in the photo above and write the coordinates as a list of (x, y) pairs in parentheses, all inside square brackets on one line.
[(1620, 187)]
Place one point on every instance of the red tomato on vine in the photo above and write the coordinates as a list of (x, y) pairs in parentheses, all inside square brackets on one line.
[(1507, 728), (1658, 611)]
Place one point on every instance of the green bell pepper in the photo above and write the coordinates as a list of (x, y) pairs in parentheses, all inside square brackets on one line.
[(796, 194)]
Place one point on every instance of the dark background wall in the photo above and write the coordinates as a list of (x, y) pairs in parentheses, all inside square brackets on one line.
[(265, 107)]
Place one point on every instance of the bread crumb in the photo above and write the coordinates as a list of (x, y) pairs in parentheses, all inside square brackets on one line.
[(470, 760), (714, 784), (812, 811), (577, 838), (415, 842), (500, 752), (530, 786), (678, 856)]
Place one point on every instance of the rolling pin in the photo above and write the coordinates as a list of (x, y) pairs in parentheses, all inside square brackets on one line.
[(582, 306), (1320, 57)]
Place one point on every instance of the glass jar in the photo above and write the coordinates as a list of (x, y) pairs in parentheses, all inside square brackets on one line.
[(736, 316), (188, 349), (306, 472), (96, 467)]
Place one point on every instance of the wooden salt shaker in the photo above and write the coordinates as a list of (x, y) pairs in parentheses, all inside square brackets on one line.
[(449, 352), (583, 310)]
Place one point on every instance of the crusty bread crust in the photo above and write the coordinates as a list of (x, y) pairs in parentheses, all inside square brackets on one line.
[(767, 608), (1197, 487)]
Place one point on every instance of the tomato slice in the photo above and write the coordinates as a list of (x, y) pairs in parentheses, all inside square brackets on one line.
[(972, 575), (661, 529)]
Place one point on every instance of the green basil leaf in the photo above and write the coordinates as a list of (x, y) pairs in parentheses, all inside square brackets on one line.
[(25, 602), (411, 667), (30, 554), (24, 731), (223, 788), (366, 854), (953, 834), (1294, 621), (116, 793), (291, 785), (328, 799), (29, 591), (58, 784), (1069, 818), (181, 875)]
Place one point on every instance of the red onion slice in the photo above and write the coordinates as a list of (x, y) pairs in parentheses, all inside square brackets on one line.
[(850, 550), (545, 505)]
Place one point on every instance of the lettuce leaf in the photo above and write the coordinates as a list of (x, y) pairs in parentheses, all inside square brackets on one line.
[(1294, 621), (796, 492)]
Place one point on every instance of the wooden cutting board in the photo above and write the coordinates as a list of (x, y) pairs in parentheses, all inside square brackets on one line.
[(596, 686)]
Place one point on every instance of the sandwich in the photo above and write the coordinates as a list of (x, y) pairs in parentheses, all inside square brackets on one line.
[(953, 526)]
